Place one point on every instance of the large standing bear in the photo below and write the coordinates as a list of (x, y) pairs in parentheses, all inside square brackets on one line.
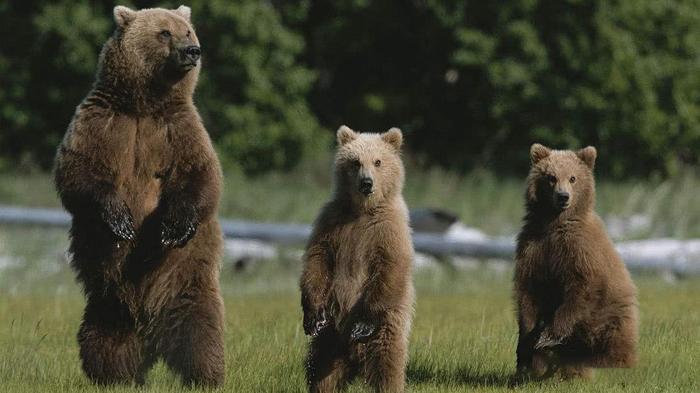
[(577, 305), (138, 173), (356, 287)]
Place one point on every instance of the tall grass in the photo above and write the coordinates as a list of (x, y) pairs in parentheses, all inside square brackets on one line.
[(463, 338)]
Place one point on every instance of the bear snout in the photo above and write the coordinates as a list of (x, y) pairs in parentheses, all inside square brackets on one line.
[(187, 57), (366, 185), (193, 52), (562, 199)]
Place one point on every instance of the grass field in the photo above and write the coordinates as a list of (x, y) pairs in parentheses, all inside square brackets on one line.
[(463, 338)]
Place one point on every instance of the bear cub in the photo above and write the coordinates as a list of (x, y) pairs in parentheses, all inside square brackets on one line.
[(356, 286), (576, 303), (138, 174)]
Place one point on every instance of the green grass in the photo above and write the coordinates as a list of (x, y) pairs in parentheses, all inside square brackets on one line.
[(464, 332), (463, 337), (481, 199)]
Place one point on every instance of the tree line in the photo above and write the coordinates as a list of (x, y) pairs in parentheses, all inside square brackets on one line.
[(470, 83)]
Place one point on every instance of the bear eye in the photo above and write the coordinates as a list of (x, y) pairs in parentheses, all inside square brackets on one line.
[(552, 179), (356, 164), (188, 33), (378, 163), (165, 33), (572, 179)]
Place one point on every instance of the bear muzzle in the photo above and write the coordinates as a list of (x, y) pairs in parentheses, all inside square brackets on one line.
[(366, 186), (193, 52), (562, 200), (188, 57)]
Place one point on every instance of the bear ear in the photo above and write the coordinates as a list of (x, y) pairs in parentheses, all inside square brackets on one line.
[(588, 155), (345, 135), (538, 152), (394, 137), (185, 11), (123, 15)]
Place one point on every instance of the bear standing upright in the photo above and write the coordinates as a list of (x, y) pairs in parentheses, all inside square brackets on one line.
[(137, 172), (356, 287), (577, 305)]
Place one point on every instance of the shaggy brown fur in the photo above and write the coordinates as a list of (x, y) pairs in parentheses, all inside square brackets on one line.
[(357, 293), (138, 173), (576, 302)]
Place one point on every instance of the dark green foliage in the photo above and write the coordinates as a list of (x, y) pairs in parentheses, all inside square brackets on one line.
[(471, 83), (253, 88), (475, 83), (252, 94), (48, 53)]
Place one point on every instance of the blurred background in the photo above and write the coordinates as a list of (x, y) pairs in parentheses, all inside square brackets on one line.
[(471, 83)]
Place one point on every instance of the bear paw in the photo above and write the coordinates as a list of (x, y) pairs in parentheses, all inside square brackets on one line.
[(547, 340), (176, 234), (178, 227), (314, 324), (361, 332), (119, 220)]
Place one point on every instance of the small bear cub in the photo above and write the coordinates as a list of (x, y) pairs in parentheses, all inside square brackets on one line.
[(576, 303), (356, 287)]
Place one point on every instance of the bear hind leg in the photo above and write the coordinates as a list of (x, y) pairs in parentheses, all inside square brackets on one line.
[(618, 353), (576, 371), (385, 360), (328, 365), (111, 352), (192, 340), (615, 351)]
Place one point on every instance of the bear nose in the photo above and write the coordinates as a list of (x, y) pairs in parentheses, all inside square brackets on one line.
[(366, 184), (193, 52), (563, 197)]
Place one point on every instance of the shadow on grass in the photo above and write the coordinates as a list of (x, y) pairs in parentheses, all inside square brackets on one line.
[(460, 376)]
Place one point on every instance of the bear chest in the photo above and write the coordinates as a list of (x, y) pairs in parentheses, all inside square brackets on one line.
[(143, 162), (352, 252)]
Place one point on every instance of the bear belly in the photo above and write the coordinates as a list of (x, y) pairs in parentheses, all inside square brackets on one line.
[(144, 163), (348, 283), (142, 196)]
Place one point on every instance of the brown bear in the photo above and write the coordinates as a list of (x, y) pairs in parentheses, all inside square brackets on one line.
[(137, 172), (576, 302), (356, 286)]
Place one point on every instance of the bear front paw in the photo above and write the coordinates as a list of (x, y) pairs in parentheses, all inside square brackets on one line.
[(176, 234), (178, 227), (361, 332), (314, 323), (119, 220), (547, 340)]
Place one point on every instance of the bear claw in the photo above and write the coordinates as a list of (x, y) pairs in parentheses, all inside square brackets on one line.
[(314, 326), (118, 219), (546, 340), (177, 235), (361, 332)]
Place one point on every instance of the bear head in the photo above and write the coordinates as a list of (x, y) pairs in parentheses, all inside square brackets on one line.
[(561, 181), (152, 47), (368, 166)]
